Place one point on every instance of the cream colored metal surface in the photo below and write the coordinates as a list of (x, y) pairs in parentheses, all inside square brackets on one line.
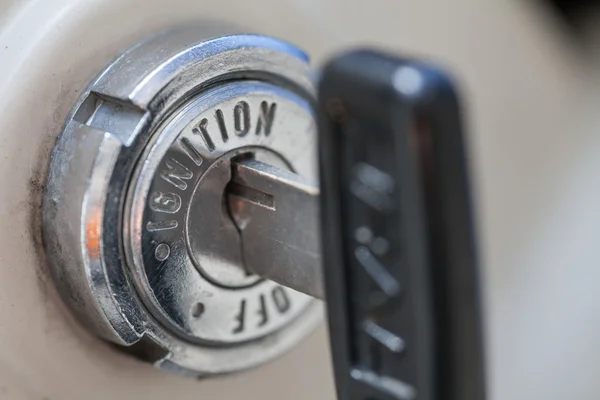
[(532, 103)]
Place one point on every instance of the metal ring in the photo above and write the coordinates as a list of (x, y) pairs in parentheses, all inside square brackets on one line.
[(95, 159)]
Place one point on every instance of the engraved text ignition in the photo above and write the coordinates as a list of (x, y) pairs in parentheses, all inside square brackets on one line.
[(242, 115)]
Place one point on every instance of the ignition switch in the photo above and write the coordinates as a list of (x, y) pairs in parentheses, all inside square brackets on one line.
[(137, 227), (182, 214)]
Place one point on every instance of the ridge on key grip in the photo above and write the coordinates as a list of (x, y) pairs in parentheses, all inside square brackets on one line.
[(399, 255)]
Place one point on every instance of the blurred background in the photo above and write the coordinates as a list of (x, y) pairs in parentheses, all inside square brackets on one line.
[(530, 78)]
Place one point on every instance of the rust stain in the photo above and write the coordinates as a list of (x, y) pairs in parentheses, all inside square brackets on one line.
[(92, 233)]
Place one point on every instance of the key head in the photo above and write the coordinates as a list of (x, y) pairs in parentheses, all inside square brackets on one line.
[(398, 240)]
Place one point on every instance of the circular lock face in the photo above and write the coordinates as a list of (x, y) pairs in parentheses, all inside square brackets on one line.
[(181, 242), (135, 220)]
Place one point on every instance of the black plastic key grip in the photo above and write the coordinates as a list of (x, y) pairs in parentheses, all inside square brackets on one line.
[(398, 239)]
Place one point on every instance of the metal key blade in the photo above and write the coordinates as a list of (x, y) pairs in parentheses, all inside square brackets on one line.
[(398, 242), (277, 215)]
